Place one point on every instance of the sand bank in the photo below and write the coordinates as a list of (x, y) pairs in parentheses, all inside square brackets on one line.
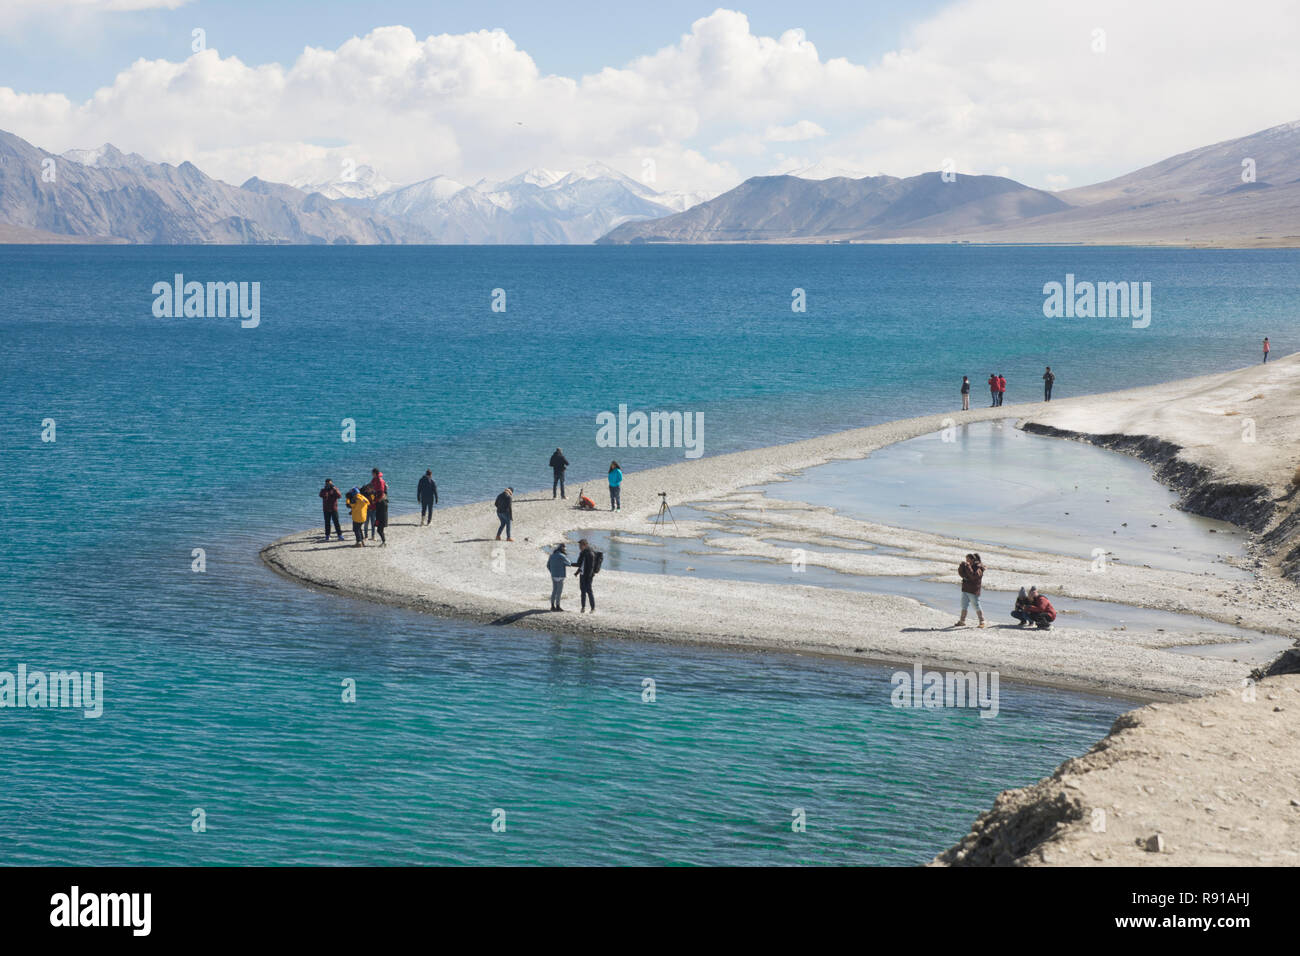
[(1194, 428), (1207, 782)]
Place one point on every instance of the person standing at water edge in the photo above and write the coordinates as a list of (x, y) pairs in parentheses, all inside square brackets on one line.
[(965, 393), (1266, 347), (971, 572), (558, 565), (586, 564), (1048, 379), (1002, 388), (426, 492), (359, 505), (505, 512), (329, 499), (615, 487), (558, 464), (993, 389)]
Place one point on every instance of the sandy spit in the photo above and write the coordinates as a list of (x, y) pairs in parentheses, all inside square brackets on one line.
[(455, 568)]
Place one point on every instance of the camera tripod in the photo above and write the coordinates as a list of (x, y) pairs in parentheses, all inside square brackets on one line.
[(664, 511)]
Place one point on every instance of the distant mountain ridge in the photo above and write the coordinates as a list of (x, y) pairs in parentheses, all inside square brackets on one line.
[(1244, 191), (104, 194), (790, 207), (123, 196)]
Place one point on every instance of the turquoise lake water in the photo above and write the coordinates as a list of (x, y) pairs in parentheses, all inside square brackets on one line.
[(222, 688)]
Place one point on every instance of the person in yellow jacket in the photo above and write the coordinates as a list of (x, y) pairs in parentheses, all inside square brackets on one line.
[(360, 505)]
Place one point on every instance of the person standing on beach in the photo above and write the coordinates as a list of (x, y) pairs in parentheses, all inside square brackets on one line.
[(558, 464), (379, 509), (426, 492), (558, 564), (993, 389), (1002, 388), (377, 492), (368, 492), (1048, 379), (505, 512), (329, 499), (1266, 347), (359, 505), (586, 565), (971, 572), (615, 490), (965, 393)]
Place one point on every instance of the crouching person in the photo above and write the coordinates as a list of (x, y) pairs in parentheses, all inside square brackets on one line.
[(1040, 610)]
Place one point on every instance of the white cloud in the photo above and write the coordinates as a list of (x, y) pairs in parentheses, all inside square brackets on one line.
[(804, 129), (996, 84)]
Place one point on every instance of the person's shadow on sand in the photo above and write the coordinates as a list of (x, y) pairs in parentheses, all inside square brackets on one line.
[(519, 616), (964, 627), (332, 546)]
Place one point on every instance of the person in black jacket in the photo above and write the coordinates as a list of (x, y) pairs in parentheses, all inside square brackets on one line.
[(505, 512), (586, 565), (558, 464), (426, 492)]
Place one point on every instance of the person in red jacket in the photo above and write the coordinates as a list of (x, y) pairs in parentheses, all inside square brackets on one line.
[(1002, 388), (1040, 610), (993, 389)]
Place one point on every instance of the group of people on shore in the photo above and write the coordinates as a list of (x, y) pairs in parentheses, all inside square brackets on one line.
[(368, 505), (998, 388), (559, 464), (1032, 607)]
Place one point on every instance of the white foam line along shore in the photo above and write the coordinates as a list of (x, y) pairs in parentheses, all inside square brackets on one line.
[(453, 567)]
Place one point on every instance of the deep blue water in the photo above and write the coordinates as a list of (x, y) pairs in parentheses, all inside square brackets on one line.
[(223, 688)]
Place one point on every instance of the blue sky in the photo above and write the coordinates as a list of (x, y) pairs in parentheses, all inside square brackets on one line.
[(684, 95), (79, 53)]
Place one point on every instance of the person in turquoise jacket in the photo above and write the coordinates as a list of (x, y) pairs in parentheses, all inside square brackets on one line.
[(615, 487)]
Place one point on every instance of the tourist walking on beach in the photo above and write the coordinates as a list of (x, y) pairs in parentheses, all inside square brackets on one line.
[(993, 389), (971, 572), (505, 512), (615, 487), (586, 565), (426, 492), (329, 499), (1048, 378), (965, 393), (1002, 388), (359, 505), (558, 564), (558, 464), (1266, 347)]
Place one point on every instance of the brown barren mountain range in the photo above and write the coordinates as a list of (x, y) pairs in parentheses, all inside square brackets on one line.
[(1201, 197)]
